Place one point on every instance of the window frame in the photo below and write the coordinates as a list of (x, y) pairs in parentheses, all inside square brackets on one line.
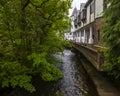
[(92, 7)]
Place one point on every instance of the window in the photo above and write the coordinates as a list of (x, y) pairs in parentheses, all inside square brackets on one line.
[(79, 19), (75, 23), (83, 15), (92, 8)]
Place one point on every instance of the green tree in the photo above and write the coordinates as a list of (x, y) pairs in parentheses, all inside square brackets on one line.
[(31, 31), (111, 38)]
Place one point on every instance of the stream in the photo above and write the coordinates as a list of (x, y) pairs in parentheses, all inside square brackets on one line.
[(75, 81)]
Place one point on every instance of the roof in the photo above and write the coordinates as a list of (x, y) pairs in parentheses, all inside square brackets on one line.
[(82, 6), (75, 11), (88, 2)]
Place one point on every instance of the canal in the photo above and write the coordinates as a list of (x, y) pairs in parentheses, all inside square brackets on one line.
[(75, 81)]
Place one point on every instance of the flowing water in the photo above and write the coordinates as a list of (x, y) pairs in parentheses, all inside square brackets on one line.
[(75, 81)]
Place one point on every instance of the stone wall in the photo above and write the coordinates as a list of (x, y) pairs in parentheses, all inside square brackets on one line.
[(91, 54), (98, 31)]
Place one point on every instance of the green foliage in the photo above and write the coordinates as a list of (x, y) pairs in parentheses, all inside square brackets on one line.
[(13, 74), (67, 44), (111, 38), (31, 31)]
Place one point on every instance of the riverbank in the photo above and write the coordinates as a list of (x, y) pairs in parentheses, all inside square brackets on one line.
[(103, 86)]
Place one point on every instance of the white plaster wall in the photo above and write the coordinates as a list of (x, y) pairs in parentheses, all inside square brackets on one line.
[(92, 17), (88, 14), (72, 27), (98, 8)]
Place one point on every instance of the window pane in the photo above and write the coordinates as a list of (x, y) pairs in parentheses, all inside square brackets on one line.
[(92, 8)]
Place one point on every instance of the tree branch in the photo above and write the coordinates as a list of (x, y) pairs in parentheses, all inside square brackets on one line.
[(25, 5), (45, 1)]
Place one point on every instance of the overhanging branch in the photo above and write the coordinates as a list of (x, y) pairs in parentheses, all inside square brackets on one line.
[(25, 5)]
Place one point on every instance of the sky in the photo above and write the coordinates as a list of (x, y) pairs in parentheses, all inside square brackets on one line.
[(76, 3)]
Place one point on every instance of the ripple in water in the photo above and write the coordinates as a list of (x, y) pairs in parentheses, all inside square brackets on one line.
[(69, 85)]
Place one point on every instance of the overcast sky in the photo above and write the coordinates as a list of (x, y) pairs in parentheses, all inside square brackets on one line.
[(76, 3)]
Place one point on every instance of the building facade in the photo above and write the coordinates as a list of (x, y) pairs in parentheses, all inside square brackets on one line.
[(87, 22)]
